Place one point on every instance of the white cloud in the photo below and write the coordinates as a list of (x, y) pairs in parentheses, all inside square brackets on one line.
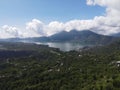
[(9, 32), (35, 28), (54, 27), (114, 4), (110, 22), (106, 24), (79, 24)]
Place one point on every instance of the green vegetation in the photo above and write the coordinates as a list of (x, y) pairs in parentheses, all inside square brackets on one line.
[(38, 67)]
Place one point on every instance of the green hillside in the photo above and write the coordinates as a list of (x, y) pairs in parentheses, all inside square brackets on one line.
[(51, 69)]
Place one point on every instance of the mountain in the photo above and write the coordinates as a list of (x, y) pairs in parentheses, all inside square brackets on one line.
[(85, 37), (116, 34), (74, 35)]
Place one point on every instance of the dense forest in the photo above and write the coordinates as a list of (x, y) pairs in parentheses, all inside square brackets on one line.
[(38, 67)]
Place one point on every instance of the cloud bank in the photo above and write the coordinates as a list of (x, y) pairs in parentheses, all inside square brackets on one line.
[(107, 24)]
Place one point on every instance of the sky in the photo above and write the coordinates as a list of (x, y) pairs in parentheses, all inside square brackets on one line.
[(36, 18)]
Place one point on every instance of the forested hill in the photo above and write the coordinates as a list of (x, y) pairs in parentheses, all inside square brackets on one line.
[(44, 68)]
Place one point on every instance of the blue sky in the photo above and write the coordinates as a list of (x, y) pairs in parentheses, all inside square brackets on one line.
[(36, 18), (20, 11)]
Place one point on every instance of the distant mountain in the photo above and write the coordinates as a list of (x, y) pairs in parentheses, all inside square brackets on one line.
[(85, 37), (74, 35), (116, 34)]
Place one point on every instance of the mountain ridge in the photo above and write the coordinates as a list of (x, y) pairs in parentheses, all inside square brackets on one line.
[(85, 36), (116, 34)]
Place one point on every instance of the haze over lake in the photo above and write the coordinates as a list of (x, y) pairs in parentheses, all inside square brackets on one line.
[(64, 46)]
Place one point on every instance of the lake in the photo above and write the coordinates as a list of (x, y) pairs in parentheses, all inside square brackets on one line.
[(64, 46)]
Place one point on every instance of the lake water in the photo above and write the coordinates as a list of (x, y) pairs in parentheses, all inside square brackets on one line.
[(64, 46)]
